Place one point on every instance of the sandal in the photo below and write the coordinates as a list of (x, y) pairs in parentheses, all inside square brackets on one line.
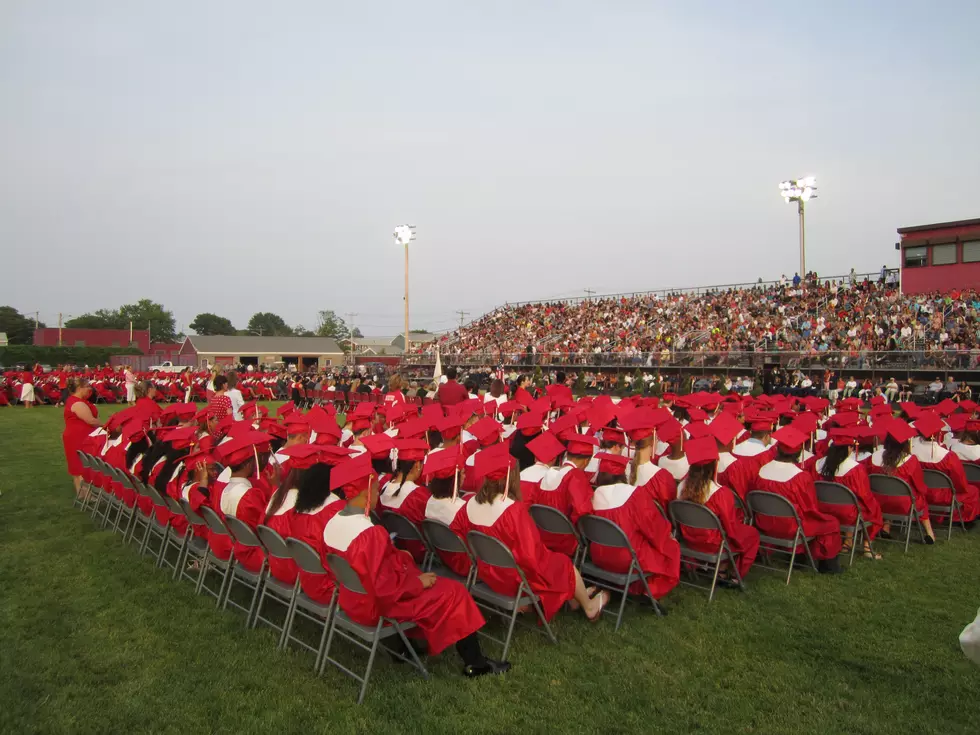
[(604, 598)]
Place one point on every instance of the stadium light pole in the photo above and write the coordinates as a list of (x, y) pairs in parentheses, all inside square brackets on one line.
[(404, 234), (800, 191)]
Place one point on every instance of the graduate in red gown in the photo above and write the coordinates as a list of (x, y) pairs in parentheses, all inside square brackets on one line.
[(750, 455), (245, 496), (783, 477), (841, 466), (442, 609), (933, 456), (700, 486), (441, 473), (633, 510), (640, 425), (403, 495), (81, 418), (495, 512), (566, 488), (968, 446), (895, 458)]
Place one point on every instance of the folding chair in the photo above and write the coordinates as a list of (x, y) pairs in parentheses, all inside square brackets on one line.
[(134, 516), (106, 496), (834, 493), (308, 560), (602, 531), (937, 480), (83, 458), (896, 487), (180, 541), (554, 521), (740, 505), (274, 589), (972, 472), (216, 527), (773, 505), (362, 635), (197, 547), (492, 552), (405, 530), (684, 513), (244, 535), (441, 537), (153, 526)]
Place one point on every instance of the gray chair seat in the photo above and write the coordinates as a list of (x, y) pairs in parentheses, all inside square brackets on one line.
[(508, 602), (365, 632)]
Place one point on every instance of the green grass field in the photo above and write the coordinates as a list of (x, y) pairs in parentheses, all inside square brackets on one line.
[(94, 639)]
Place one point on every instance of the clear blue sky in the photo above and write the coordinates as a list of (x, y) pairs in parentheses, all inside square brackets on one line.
[(243, 156)]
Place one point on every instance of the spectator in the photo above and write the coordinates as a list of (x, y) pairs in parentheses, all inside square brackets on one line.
[(451, 393)]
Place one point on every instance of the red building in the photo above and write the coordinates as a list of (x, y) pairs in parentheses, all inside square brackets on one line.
[(165, 350), (940, 257), (49, 337)]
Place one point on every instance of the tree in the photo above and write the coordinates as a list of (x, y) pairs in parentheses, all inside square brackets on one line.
[(267, 324), (328, 324), (211, 324), (300, 331), (18, 328), (144, 314), (418, 331)]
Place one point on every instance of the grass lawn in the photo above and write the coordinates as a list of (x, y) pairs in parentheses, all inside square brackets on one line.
[(94, 639)]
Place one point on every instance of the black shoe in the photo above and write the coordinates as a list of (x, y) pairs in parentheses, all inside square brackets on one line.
[(929, 540), (489, 666), (884, 534), (830, 566)]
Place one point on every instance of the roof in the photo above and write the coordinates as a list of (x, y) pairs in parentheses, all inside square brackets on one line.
[(255, 345), (939, 226), (373, 341)]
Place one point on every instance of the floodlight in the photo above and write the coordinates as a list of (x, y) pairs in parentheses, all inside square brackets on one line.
[(404, 234)]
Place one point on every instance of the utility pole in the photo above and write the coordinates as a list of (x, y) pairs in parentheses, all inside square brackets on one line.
[(350, 333), (589, 292), (462, 318), (37, 320), (59, 329)]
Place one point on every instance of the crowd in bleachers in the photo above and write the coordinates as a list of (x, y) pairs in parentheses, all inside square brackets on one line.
[(799, 315)]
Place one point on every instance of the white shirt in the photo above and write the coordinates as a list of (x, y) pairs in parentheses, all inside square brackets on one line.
[(237, 401)]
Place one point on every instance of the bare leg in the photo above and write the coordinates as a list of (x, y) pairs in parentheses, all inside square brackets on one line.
[(927, 524), (590, 605)]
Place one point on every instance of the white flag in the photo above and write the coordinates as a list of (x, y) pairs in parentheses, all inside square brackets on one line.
[(438, 371)]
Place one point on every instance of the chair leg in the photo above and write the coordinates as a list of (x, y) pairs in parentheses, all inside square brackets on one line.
[(792, 558), (544, 622), (622, 603), (417, 662), (227, 582), (510, 626), (714, 577), (202, 572), (259, 585), (908, 534), (333, 628), (370, 663)]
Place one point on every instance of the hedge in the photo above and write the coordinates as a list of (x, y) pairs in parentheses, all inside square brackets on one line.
[(30, 354)]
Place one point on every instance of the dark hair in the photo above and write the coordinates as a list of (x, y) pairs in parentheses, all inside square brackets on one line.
[(74, 383), (470, 386), (519, 450), (173, 458), (402, 469), (560, 378), (699, 479), (680, 413), (782, 456), (894, 451), (381, 465), (492, 488), (138, 447), (497, 387), (836, 454), (608, 478), (313, 487), (232, 379), (157, 451), (220, 382), (451, 373), (441, 487)]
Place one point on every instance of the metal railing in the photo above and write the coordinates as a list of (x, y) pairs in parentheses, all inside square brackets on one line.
[(899, 361)]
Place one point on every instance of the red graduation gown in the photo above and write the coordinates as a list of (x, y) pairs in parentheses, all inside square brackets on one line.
[(659, 554), (445, 510), (743, 540), (568, 490), (551, 575), (308, 527), (797, 486), (942, 459), (657, 482), (854, 476), (246, 500), (741, 475), (285, 570), (909, 470), (445, 612), (410, 503)]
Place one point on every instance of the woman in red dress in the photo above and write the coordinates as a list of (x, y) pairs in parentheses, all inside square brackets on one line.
[(219, 403), (81, 418)]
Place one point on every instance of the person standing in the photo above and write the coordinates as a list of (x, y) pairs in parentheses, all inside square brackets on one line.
[(27, 389), (451, 393), (235, 395), (130, 378), (219, 403), (81, 417)]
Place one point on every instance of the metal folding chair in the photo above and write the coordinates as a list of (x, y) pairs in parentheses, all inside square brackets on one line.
[(105, 497), (553, 520), (154, 529), (441, 537), (362, 635), (972, 472), (773, 505), (937, 480), (602, 531), (84, 460), (405, 530), (492, 552), (245, 536), (686, 514), (308, 560), (216, 527), (740, 505), (180, 541), (896, 487), (199, 548), (834, 493), (274, 589)]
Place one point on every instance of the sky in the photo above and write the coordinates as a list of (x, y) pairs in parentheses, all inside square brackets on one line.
[(241, 156)]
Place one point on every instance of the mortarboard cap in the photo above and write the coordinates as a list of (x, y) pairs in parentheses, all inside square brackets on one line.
[(545, 447), (701, 450)]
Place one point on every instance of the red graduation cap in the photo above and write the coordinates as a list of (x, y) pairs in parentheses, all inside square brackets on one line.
[(396, 410), (697, 414), (285, 408), (545, 447), (194, 459), (968, 406), (493, 463), (946, 406), (725, 428), (450, 426), (333, 455), (670, 431), (928, 425), (132, 429), (789, 439), (364, 410), (582, 445), (882, 409), (486, 431), (433, 414), (615, 436), (243, 447), (359, 424), (697, 430), (701, 450), (328, 433), (509, 408), (847, 436), (413, 428), (973, 425), (353, 475), (957, 422), (297, 423), (378, 445), (898, 430), (411, 450), (563, 424), (530, 423), (442, 464), (612, 464), (303, 456), (878, 400), (183, 438)]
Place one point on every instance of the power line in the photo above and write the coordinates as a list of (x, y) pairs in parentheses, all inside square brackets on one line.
[(462, 317)]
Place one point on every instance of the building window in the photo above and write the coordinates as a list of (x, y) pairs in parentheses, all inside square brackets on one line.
[(971, 251), (944, 254), (915, 257)]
